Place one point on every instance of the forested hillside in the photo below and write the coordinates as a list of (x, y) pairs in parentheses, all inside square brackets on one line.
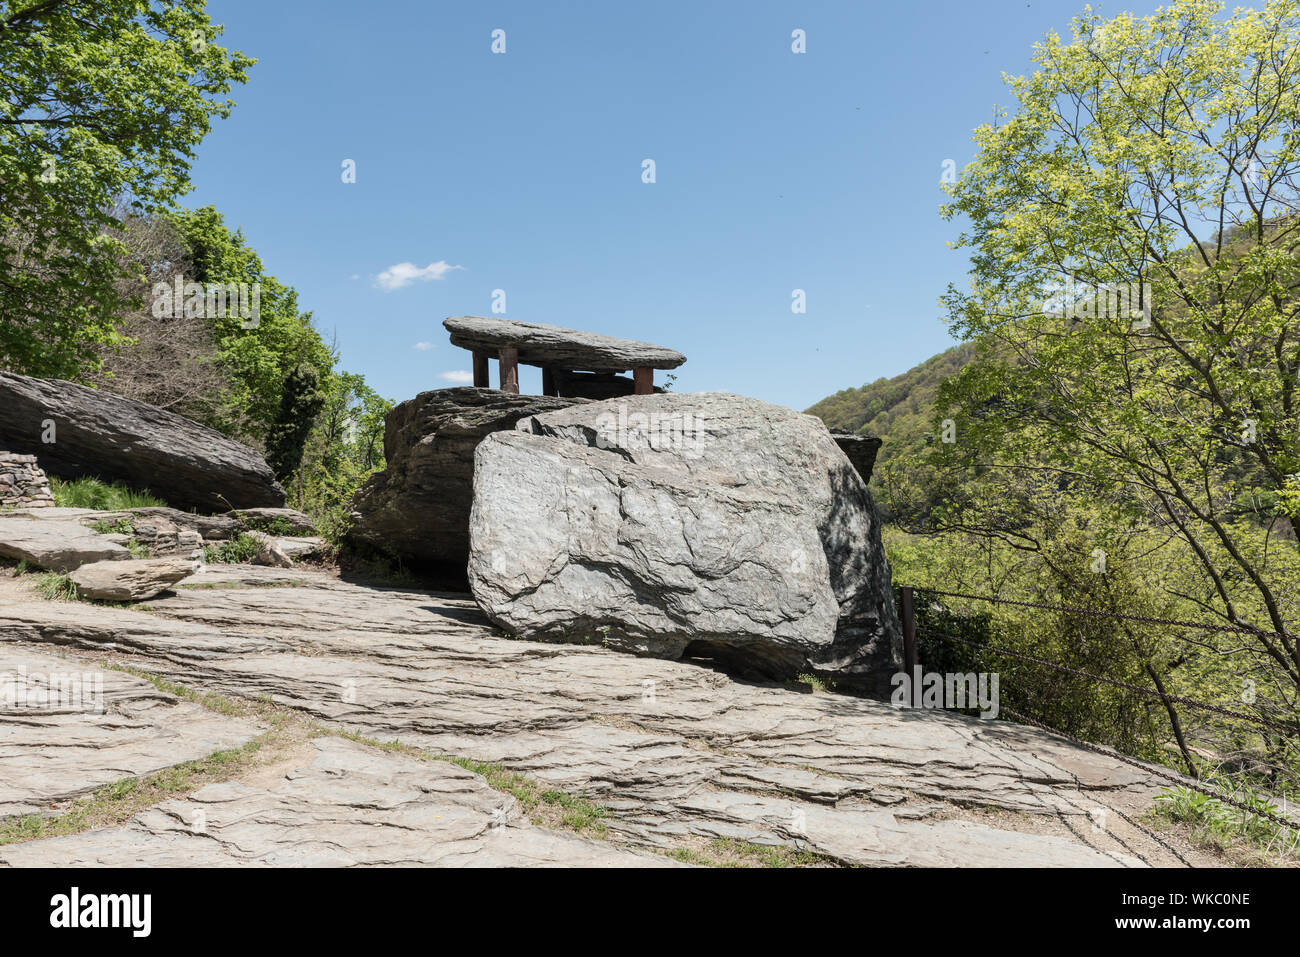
[(899, 411)]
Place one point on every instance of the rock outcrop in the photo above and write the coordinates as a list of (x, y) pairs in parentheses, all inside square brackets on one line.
[(70, 727), (75, 431), (280, 521), (675, 754), (708, 525), (159, 535), (860, 449), (133, 580), (342, 804), (54, 544), (209, 528), (417, 509)]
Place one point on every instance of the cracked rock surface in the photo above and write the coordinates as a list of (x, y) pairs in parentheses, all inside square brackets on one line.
[(676, 752), (68, 726), (57, 545), (344, 805)]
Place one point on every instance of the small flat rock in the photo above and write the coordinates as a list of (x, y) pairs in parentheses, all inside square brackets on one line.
[(58, 545), (347, 805), (295, 521), (132, 580), (545, 345), (273, 555), (288, 546)]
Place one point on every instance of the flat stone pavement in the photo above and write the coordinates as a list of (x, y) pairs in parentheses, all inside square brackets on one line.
[(677, 754)]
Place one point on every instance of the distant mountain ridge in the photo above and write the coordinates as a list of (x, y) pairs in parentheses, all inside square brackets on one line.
[(897, 410)]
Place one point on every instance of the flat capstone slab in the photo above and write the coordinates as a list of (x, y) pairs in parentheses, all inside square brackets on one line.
[(557, 347)]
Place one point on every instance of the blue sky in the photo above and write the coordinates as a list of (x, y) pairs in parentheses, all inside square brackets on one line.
[(775, 171)]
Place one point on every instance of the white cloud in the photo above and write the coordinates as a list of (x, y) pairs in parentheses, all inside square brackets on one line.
[(423, 346), (457, 375), (403, 274)]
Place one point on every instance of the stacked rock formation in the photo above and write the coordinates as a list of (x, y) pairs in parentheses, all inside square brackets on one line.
[(23, 483), (573, 363)]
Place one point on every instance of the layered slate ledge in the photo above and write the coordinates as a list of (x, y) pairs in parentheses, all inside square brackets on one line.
[(573, 363), (674, 752)]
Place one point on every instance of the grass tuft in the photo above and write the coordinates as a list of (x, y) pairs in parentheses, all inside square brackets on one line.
[(100, 495), (55, 586), (1221, 826), (729, 852), (544, 806)]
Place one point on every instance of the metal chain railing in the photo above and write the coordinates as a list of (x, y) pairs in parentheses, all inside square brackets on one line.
[(910, 646), (1190, 702), (1094, 613)]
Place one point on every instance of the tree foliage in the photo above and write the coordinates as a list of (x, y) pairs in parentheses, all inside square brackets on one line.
[(169, 361), (1156, 155), (104, 102), (261, 354)]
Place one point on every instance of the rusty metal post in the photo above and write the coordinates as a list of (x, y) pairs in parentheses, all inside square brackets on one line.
[(910, 658), (508, 368)]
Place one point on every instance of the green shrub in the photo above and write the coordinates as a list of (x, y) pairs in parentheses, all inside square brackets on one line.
[(278, 526), (1214, 821), (120, 527), (237, 551)]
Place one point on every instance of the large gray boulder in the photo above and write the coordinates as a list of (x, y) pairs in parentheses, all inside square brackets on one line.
[(708, 525), (95, 432), (417, 509)]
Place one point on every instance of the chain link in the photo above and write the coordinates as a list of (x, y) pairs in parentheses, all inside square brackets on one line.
[(1190, 702), (1091, 612)]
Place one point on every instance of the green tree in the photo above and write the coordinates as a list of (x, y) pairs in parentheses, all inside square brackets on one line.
[(260, 354), (1134, 294), (301, 400), (104, 101), (345, 448)]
